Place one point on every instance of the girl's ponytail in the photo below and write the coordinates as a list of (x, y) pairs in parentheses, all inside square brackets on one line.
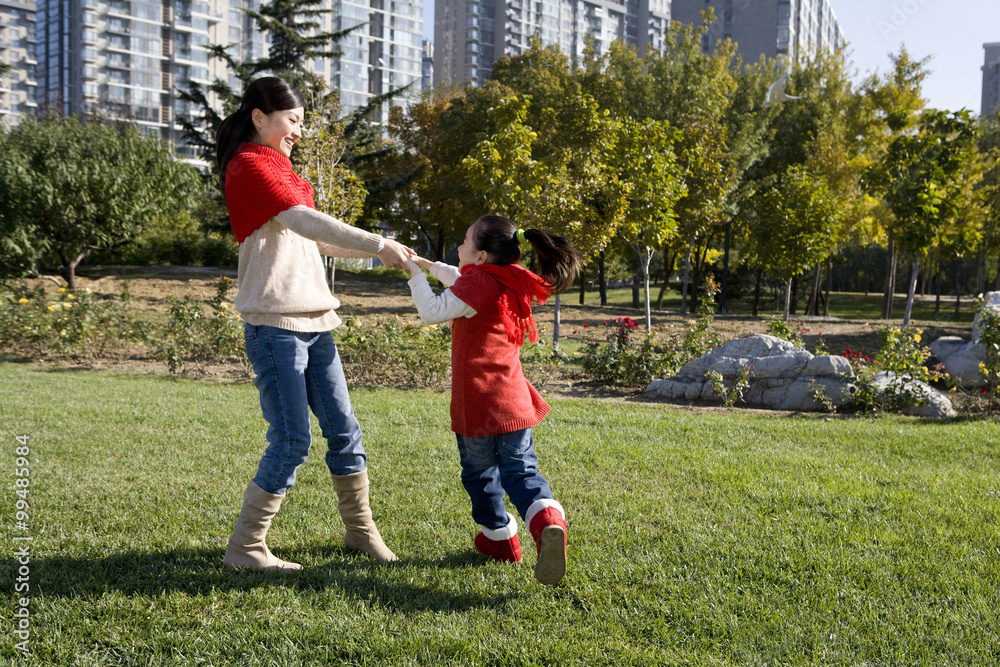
[(558, 261)]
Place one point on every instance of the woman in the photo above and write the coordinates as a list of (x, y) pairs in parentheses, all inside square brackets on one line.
[(288, 312)]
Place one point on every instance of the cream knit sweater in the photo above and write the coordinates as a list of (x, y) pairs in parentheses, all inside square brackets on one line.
[(281, 278)]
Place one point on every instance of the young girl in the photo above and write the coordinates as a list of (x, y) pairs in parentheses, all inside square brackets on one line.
[(493, 406), (288, 313)]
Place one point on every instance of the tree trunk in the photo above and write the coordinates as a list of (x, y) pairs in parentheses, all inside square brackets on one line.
[(330, 264), (788, 297), (439, 250), (69, 270), (911, 292), (890, 281), (937, 290), (756, 291), (637, 283), (996, 284), (555, 325), (812, 307), (865, 262), (792, 300), (958, 287), (980, 273), (601, 279), (687, 276), (668, 268), (583, 284), (829, 287), (646, 258)]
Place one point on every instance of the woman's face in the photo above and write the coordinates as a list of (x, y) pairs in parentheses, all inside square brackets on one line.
[(467, 253), (279, 129)]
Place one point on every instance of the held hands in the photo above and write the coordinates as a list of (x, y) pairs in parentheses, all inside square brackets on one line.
[(415, 263), (395, 255)]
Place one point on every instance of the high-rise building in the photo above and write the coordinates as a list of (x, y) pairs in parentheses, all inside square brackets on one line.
[(991, 79), (128, 58), (795, 29), (470, 35), (17, 49), (383, 55), (427, 71)]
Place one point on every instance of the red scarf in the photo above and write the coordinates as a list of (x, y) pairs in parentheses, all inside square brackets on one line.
[(515, 301), (260, 184)]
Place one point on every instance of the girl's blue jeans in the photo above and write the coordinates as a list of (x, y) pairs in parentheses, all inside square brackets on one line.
[(494, 464), (295, 372)]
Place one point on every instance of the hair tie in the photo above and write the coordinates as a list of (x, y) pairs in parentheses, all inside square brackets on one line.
[(519, 235)]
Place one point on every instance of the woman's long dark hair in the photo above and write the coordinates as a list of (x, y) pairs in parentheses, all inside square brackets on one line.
[(269, 94), (558, 261)]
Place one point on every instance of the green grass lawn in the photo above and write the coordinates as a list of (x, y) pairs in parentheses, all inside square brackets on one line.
[(695, 538)]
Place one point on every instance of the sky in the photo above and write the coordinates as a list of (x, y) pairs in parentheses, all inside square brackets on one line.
[(952, 32)]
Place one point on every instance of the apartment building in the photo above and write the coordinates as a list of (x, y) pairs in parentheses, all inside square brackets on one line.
[(17, 50), (470, 35)]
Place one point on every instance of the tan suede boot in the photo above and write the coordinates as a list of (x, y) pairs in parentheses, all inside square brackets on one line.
[(360, 533), (246, 547)]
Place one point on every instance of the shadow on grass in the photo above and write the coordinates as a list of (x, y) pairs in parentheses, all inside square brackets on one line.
[(199, 572)]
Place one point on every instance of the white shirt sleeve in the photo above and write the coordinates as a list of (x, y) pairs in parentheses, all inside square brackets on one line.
[(437, 308), (446, 273)]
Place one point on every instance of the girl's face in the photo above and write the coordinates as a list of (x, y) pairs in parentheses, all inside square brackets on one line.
[(467, 253), (279, 129)]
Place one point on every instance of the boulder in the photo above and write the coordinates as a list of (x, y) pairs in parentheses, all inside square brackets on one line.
[(961, 358), (935, 405), (782, 376)]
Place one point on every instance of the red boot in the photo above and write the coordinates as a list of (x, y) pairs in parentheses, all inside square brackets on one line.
[(500, 544), (547, 524)]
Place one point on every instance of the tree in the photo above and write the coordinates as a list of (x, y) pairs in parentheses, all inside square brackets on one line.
[(807, 214), (319, 158), (920, 178), (891, 106), (436, 205), (70, 187), (649, 167)]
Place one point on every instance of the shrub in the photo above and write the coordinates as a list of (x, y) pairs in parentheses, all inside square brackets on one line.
[(730, 395), (74, 325), (785, 331), (387, 352), (989, 368), (191, 336), (902, 358), (619, 361)]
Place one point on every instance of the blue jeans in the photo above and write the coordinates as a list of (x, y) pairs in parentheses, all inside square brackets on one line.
[(297, 371), (494, 464)]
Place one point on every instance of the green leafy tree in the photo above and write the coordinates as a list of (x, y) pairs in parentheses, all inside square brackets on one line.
[(645, 151), (920, 179), (69, 188), (891, 106), (807, 214)]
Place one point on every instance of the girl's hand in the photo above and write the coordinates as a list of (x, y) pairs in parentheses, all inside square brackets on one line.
[(422, 263), (412, 267)]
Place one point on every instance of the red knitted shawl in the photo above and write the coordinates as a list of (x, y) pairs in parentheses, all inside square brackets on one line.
[(260, 184), (521, 287)]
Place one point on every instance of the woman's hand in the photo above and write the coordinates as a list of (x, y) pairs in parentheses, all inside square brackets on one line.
[(394, 255)]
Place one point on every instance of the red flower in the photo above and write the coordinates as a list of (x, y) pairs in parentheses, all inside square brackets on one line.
[(586, 326), (984, 390)]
